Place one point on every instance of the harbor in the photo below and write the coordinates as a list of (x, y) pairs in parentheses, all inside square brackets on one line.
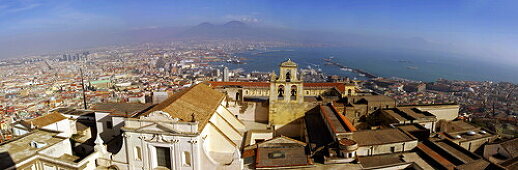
[(329, 61)]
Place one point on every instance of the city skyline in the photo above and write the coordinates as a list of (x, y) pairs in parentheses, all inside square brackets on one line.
[(482, 30)]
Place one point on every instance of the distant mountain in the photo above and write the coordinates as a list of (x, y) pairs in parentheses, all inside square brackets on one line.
[(239, 30), (234, 24), (62, 41)]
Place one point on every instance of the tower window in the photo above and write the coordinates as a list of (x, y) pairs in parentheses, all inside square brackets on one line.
[(293, 92), (288, 77), (281, 91)]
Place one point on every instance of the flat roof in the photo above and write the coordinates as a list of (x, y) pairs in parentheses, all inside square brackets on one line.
[(381, 136), (449, 155), (20, 149), (71, 111), (380, 160), (404, 114), (122, 109), (411, 127)]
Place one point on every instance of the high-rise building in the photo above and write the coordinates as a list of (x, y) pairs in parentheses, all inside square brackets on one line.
[(226, 74)]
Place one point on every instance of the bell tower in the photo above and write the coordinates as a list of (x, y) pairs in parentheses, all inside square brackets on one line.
[(287, 87)]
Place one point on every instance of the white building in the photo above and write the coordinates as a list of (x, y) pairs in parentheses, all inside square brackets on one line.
[(190, 130), (53, 121)]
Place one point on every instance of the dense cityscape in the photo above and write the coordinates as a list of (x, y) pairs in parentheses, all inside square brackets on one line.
[(33, 85), (239, 85)]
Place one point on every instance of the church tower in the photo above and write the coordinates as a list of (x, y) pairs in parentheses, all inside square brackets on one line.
[(286, 105), (287, 87)]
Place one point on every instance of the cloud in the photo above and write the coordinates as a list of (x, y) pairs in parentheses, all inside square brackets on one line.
[(17, 6), (243, 18)]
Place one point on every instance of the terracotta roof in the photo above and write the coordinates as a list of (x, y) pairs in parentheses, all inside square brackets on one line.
[(339, 86), (246, 84), (199, 101), (348, 123), (44, 120)]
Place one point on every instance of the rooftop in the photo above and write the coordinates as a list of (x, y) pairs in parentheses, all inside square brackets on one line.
[(380, 160), (450, 155), (44, 120), (381, 136), (121, 109), (339, 86), (196, 103), (20, 149), (70, 111), (405, 114)]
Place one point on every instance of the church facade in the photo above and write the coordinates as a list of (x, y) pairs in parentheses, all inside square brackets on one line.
[(190, 130)]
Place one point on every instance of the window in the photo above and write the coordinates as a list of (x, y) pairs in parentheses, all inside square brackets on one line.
[(259, 140), (186, 158), (109, 124), (280, 91), (138, 153), (393, 149), (163, 157), (276, 155)]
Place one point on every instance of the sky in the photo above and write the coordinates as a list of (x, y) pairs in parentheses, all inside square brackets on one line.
[(487, 29)]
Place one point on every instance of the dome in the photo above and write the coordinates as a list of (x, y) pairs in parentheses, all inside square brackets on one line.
[(288, 63)]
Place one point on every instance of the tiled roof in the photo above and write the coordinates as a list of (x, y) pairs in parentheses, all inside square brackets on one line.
[(198, 102), (44, 120)]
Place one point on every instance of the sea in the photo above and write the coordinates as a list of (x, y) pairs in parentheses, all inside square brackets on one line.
[(409, 64)]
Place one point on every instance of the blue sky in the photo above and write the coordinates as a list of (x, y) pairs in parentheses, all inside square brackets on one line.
[(485, 27)]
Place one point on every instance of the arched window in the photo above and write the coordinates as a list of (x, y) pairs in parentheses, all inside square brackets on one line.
[(281, 91), (293, 92), (113, 167), (288, 77), (349, 92)]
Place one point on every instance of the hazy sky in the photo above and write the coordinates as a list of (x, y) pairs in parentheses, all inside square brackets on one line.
[(488, 28)]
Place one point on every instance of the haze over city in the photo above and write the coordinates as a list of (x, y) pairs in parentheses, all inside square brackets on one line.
[(258, 84), (474, 29)]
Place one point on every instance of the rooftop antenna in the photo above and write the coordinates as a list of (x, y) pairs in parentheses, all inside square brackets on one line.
[(84, 89)]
